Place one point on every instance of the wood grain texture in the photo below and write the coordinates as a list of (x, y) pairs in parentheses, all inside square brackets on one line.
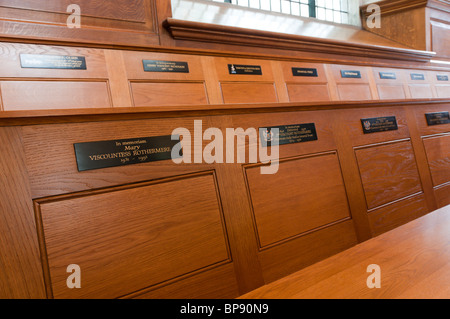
[(20, 266), (161, 94), (388, 172), (35, 95), (52, 163), (308, 92), (144, 241), (396, 214), (104, 21), (299, 198), (245, 92), (414, 261), (438, 154)]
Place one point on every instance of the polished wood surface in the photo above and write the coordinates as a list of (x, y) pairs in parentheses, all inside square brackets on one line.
[(414, 260)]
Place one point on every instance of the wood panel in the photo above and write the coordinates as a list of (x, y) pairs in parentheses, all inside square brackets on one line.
[(246, 88), (144, 241), (439, 37), (35, 95), (104, 21), (52, 164), (20, 268), (302, 83), (305, 194), (438, 154), (441, 82), (419, 88), (351, 89), (390, 83), (443, 195), (248, 92), (392, 216), (388, 172), (160, 94)]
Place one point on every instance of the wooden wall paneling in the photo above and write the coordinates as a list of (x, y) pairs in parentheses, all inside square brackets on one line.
[(102, 21), (352, 89), (389, 83), (238, 215), (286, 222), (280, 82), (441, 83), (439, 37), (246, 88), (438, 153), (26, 88), (332, 84), (150, 237), (419, 84), (52, 164), (306, 82), (20, 267), (427, 134), (166, 87), (34, 95), (388, 172), (118, 83), (387, 165)]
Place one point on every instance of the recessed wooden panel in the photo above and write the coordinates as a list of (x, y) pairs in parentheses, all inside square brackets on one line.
[(224, 75), (420, 91), (442, 194), (388, 172), (144, 236), (308, 92), (160, 94), (394, 215), (113, 22), (290, 78), (248, 92), (440, 38), (304, 194), (438, 155), (442, 91), (35, 95), (422, 124), (390, 92), (354, 92), (419, 88), (389, 83)]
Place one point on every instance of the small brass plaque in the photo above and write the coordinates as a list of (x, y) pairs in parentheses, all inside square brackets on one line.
[(287, 134), (165, 66), (42, 61)]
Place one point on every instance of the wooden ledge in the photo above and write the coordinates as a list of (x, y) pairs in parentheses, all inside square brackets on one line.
[(205, 32), (30, 117)]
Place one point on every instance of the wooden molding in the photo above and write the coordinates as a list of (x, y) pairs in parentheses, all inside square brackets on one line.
[(395, 6), (205, 32)]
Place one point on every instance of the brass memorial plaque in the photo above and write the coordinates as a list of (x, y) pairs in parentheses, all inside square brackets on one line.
[(379, 124), (437, 118), (43, 61), (287, 134), (96, 155)]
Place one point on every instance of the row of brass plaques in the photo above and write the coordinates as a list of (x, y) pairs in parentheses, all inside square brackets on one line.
[(43, 61)]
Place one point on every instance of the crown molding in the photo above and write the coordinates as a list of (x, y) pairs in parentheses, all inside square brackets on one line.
[(206, 32)]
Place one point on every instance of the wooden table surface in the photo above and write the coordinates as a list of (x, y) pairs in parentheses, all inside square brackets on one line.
[(414, 262)]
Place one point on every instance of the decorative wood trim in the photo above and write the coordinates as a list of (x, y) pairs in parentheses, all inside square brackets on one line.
[(395, 6), (31, 117), (205, 32)]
